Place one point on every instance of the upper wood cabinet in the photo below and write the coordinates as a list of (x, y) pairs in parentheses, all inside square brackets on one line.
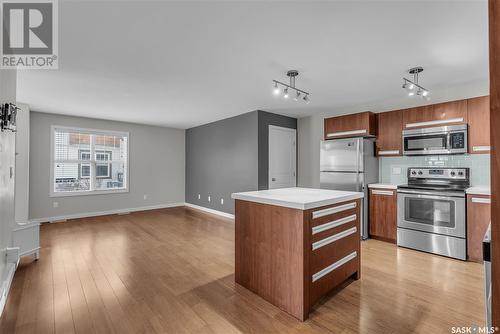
[(478, 219), (447, 113), (389, 128), (383, 214), (354, 125), (478, 117)]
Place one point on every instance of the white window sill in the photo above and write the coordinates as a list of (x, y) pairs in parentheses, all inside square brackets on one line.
[(88, 193)]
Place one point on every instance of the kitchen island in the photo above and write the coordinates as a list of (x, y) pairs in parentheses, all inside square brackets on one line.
[(294, 245)]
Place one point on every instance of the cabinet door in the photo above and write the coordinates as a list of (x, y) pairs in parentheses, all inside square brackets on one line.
[(354, 125), (478, 218), (390, 125), (383, 204), (454, 112), (478, 117)]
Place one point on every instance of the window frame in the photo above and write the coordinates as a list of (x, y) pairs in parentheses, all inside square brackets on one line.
[(126, 180)]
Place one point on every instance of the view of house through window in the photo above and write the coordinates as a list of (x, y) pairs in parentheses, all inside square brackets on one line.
[(87, 161)]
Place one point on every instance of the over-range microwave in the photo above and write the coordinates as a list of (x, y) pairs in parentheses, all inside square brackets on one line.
[(450, 139)]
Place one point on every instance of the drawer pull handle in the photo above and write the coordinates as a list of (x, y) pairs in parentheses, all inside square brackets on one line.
[(481, 148), (334, 266), (382, 192), (333, 238), (329, 211), (388, 152), (481, 200), (444, 121), (332, 224), (345, 133)]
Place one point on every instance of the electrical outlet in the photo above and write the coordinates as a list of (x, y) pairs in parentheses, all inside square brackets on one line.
[(222, 201), (55, 204), (209, 198), (145, 196), (199, 196)]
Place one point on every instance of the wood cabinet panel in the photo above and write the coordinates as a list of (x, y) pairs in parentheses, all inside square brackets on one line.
[(389, 128), (274, 254), (435, 113), (383, 214), (354, 125), (478, 218), (478, 117)]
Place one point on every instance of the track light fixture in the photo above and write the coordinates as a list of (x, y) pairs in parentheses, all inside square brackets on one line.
[(298, 92), (413, 87)]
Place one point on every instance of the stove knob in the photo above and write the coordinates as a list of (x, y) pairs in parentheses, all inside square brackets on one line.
[(452, 173), (461, 173), (420, 172), (413, 173)]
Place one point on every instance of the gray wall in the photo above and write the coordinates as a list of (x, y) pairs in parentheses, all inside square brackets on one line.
[(7, 159), (310, 133), (222, 158), (266, 119), (156, 169), (228, 156)]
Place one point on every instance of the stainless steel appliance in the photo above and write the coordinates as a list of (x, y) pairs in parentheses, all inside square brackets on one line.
[(451, 139), (431, 211), (487, 274), (349, 164)]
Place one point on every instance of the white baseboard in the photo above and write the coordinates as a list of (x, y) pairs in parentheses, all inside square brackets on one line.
[(5, 283), (104, 213), (215, 212)]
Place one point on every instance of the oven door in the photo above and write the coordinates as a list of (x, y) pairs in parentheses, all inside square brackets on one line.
[(430, 212), (435, 143)]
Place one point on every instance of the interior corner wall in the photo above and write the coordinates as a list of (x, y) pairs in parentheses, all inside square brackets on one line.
[(156, 169), (266, 119), (222, 158), (309, 133)]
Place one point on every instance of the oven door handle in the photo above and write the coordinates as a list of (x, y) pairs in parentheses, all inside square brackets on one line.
[(421, 194)]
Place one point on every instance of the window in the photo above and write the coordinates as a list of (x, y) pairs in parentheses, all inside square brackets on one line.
[(88, 161)]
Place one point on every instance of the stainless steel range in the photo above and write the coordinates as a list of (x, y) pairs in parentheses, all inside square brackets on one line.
[(431, 211)]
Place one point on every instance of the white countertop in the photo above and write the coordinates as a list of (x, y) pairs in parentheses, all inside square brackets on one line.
[(298, 198), (481, 190), (383, 186)]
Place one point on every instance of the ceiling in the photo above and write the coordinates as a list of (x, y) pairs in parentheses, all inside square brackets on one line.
[(183, 64)]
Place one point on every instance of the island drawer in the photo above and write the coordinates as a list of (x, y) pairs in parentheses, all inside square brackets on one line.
[(333, 275), (331, 227), (333, 248), (325, 214)]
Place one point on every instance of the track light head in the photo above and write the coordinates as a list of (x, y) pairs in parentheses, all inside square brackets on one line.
[(306, 98), (411, 86), (296, 98), (276, 88), (285, 93), (425, 93), (411, 93)]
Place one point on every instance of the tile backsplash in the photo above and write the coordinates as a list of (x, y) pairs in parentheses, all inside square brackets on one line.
[(393, 169)]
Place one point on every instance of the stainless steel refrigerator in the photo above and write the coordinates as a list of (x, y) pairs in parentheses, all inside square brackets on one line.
[(349, 164)]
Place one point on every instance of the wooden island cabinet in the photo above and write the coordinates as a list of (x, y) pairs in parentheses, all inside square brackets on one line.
[(294, 245)]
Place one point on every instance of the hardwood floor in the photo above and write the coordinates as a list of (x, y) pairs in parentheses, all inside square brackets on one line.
[(172, 270)]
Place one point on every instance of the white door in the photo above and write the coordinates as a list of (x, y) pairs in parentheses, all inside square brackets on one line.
[(282, 157)]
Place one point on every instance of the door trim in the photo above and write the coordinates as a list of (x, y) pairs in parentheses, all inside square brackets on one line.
[(294, 131)]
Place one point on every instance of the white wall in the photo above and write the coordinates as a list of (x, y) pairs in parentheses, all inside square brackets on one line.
[(157, 168), (22, 164), (7, 140)]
